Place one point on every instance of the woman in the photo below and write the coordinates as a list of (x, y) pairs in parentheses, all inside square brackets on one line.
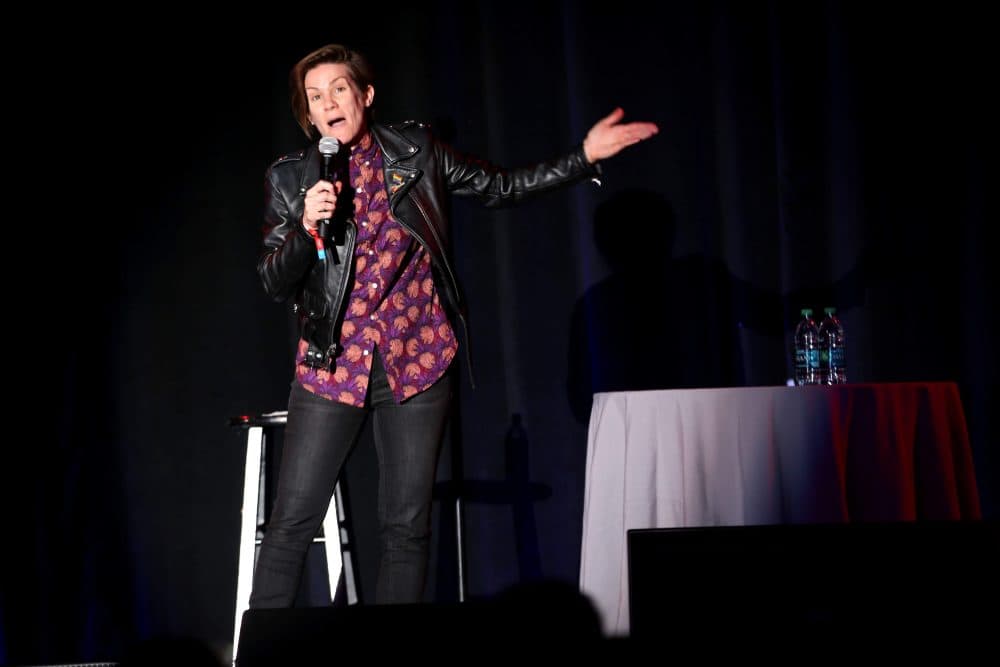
[(378, 307)]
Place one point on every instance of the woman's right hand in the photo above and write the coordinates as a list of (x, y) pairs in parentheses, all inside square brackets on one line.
[(321, 200)]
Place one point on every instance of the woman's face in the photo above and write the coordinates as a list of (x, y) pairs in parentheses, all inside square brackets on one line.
[(336, 104)]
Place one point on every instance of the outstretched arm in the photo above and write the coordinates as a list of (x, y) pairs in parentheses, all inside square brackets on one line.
[(608, 136)]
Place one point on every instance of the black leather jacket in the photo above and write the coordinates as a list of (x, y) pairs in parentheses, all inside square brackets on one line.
[(420, 173)]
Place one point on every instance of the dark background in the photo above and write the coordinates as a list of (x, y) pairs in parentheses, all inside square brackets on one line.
[(810, 154)]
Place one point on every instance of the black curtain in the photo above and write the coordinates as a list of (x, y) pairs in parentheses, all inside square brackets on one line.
[(810, 154)]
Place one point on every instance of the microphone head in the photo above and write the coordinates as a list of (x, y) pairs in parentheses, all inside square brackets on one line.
[(329, 146)]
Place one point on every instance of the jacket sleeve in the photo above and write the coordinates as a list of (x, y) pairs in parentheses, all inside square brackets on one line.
[(497, 186), (288, 252)]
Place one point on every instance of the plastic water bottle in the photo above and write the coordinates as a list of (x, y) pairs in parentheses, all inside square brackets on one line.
[(833, 350), (806, 350)]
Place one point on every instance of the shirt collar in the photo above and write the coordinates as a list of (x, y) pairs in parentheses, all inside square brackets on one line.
[(364, 149)]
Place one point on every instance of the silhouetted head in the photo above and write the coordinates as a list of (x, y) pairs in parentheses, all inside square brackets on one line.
[(548, 610), (171, 651)]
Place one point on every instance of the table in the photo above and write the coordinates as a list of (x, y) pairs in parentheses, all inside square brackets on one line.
[(766, 455)]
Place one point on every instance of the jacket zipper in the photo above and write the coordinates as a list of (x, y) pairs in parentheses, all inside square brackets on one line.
[(331, 350)]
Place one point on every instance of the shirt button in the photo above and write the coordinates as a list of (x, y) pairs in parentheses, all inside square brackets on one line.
[(372, 316), (364, 224), (374, 285), (365, 353), (371, 252)]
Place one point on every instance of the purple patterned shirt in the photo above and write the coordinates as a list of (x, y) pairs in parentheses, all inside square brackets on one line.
[(393, 306)]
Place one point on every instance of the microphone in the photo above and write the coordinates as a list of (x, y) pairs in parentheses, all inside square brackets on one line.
[(328, 148)]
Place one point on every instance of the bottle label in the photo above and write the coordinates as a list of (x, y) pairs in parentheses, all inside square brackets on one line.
[(837, 357), (807, 359)]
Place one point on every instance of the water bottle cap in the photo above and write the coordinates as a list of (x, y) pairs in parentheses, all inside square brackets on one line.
[(806, 312), (829, 311)]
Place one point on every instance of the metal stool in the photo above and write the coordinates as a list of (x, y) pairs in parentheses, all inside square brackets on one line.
[(335, 537)]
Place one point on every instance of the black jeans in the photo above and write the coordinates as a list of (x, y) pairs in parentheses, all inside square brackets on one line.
[(319, 435)]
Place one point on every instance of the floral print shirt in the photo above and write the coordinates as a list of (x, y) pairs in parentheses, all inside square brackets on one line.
[(393, 305)]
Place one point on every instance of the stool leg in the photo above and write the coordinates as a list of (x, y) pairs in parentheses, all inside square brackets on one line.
[(331, 543), (337, 542), (248, 527), (460, 547), (346, 546)]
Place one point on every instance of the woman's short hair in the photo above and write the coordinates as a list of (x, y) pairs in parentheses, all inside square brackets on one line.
[(357, 65)]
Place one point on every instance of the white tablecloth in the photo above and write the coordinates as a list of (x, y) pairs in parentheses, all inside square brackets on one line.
[(765, 455)]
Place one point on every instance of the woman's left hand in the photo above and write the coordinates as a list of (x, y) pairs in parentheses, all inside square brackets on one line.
[(607, 137)]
